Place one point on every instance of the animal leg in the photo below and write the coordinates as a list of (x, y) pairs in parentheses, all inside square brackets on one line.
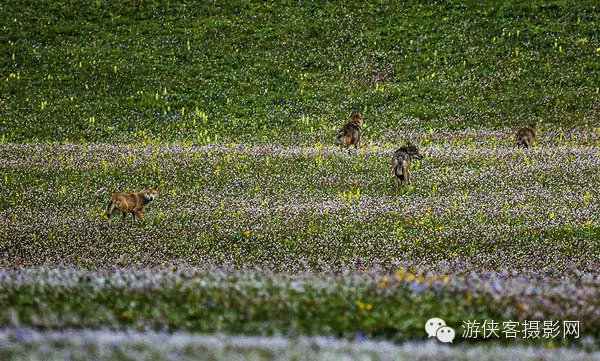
[(138, 213)]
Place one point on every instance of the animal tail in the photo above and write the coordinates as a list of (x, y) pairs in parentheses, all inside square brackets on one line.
[(399, 169), (338, 139), (342, 139)]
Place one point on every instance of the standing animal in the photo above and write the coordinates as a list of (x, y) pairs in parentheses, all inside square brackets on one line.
[(133, 203), (526, 136), (350, 133), (401, 163)]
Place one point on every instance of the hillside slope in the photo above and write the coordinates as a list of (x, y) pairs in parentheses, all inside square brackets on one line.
[(291, 71)]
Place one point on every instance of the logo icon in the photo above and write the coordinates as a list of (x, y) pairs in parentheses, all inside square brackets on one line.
[(436, 327), (445, 334)]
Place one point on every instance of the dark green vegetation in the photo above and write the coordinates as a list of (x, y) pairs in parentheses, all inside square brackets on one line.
[(366, 306), (98, 71)]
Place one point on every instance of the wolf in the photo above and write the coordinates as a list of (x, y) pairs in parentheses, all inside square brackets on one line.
[(133, 203), (401, 163), (350, 133), (526, 136)]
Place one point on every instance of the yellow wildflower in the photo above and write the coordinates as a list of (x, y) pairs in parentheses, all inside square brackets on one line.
[(400, 274)]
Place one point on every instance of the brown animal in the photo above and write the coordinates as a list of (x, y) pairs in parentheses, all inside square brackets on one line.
[(401, 163), (526, 136), (133, 203), (350, 133)]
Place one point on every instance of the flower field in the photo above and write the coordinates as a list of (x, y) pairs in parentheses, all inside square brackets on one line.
[(478, 204), (266, 241), (238, 235)]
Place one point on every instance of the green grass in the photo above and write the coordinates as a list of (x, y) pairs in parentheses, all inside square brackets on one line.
[(293, 70)]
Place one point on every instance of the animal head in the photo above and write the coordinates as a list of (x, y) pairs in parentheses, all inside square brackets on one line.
[(150, 193), (532, 127), (356, 118)]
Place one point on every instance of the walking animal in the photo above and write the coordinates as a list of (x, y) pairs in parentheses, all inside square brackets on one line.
[(350, 133), (133, 203), (526, 136), (401, 163)]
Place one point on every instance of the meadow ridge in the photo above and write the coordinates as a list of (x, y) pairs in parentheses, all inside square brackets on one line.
[(266, 241)]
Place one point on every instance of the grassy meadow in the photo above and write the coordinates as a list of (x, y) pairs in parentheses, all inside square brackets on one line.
[(265, 239)]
